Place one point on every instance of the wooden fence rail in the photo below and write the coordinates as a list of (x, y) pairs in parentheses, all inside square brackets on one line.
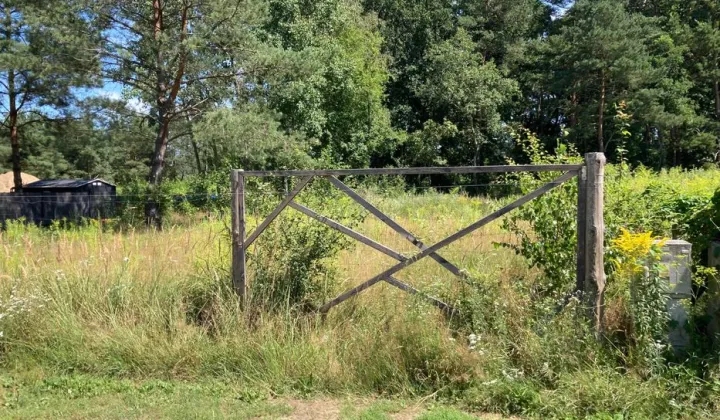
[(590, 275)]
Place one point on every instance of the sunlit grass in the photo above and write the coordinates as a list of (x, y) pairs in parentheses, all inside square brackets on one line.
[(146, 305)]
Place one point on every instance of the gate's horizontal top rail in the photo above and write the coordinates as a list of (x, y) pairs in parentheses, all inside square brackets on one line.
[(419, 171)]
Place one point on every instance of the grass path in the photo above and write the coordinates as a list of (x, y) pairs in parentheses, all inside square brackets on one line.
[(86, 397)]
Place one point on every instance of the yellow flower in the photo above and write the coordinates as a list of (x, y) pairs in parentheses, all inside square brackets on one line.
[(632, 250)]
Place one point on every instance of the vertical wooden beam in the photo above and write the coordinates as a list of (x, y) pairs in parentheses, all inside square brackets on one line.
[(595, 235), (581, 229), (237, 188)]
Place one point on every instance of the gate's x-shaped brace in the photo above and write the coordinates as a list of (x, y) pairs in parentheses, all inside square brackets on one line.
[(403, 261)]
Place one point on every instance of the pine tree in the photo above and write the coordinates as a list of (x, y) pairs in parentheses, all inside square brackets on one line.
[(599, 57), (177, 56), (48, 49)]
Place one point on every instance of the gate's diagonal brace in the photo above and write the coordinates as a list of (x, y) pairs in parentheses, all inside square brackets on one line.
[(347, 231), (382, 248), (449, 240), (394, 225), (299, 187), (449, 310)]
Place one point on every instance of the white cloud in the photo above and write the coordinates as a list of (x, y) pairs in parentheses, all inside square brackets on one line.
[(138, 106), (135, 105)]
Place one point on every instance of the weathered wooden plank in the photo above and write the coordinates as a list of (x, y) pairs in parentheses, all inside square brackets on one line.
[(394, 225), (413, 291), (289, 198), (449, 240), (420, 171), (347, 231), (594, 236), (237, 188), (581, 221)]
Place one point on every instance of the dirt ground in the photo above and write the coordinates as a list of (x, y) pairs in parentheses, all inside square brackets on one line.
[(322, 409)]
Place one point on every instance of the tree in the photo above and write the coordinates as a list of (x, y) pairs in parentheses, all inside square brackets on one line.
[(103, 139), (687, 98), (336, 93), (177, 56), (703, 18), (422, 39), (600, 56), (459, 87), (249, 138), (47, 50)]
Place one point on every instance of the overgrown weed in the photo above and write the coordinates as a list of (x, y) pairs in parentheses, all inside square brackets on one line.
[(157, 306)]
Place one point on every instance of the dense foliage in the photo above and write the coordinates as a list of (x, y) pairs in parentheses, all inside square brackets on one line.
[(197, 86)]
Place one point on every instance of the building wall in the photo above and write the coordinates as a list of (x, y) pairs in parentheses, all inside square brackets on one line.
[(44, 208)]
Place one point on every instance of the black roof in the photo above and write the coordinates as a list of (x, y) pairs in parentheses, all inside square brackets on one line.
[(63, 183)]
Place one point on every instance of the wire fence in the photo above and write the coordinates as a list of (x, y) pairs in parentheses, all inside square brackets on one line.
[(46, 208)]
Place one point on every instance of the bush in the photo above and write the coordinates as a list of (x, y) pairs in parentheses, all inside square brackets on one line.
[(680, 204), (546, 227), (637, 291), (292, 261)]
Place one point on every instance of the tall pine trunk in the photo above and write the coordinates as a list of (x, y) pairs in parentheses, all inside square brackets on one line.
[(14, 136), (196, 149), (717, 114), (13, 112), (601, 114), (152, 207), (153, 216), (717, 99), (166, 92), (573, 115)]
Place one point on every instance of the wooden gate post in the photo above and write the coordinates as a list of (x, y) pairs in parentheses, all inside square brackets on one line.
[(594, 288), (237, 189), (581, 230)]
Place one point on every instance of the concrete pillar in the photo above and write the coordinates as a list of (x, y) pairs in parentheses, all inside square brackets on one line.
[(677, 261)]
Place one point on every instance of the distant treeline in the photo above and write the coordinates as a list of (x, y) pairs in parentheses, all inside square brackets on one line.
[(153, 89)]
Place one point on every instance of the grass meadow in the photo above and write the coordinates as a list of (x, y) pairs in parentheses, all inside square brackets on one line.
[(143, 324)]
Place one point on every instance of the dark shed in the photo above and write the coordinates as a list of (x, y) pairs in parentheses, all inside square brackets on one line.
[(94, 186), (57, 199)]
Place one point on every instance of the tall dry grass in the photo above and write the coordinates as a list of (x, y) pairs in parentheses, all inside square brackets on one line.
[(145, 304)]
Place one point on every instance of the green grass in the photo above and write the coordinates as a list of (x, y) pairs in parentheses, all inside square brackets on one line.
[(89, 397), (144, 325), (83, 396)]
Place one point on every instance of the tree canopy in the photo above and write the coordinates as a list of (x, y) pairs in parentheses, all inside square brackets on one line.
[(176, 88)]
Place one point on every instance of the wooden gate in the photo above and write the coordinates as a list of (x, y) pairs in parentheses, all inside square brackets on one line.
[(590, 274)]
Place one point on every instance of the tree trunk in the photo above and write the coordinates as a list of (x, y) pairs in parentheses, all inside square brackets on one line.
[(539, 118), (13, 111), (574, 119), (196, 152), (196, 149), (573, 111), (166, 92), (717, 114), (153, 216), (14, 136), (717, 99), (152, 207), (675, 145), (601, 115)]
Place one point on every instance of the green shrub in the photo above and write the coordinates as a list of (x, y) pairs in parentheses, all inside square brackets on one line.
[(546, 227), (292, 262)]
